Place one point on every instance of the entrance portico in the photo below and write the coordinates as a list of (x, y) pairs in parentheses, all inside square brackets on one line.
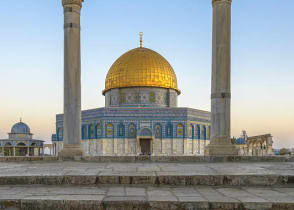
[(145, 141)]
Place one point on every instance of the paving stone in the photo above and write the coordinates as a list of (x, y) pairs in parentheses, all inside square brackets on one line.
[(161, 197), (116, 191), (135, 191)]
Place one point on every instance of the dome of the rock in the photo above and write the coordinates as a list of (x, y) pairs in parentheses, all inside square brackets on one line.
[(141, 67)]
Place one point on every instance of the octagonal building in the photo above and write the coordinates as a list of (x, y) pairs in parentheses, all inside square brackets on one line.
[(141, 113)]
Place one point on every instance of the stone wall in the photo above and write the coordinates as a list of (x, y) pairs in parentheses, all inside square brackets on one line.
[(126, 147)]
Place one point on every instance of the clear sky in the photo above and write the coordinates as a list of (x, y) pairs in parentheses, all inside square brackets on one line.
[(31, 64)]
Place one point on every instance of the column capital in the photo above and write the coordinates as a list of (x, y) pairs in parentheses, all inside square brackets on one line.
[(75, 2), (223, 1)]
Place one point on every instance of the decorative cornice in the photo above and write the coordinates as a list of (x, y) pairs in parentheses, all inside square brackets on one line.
[(219, 1), (76, 2)]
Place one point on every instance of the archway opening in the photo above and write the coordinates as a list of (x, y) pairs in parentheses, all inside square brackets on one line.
[(145, 144)]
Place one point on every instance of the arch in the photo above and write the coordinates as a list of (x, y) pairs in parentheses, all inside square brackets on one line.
[(132, 130), (180, 130), (8, 150), (109, 130), (191, 131), (7, 144), (98, 130), (91, 131), (146, 132), (158, 131), (84, 132), (121, 130), (169, 130), (198, 131), (59, 134), (33, 144), (204, 132), (21, 144)]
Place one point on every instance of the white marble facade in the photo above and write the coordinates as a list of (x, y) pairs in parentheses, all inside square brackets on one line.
[(128, 147)]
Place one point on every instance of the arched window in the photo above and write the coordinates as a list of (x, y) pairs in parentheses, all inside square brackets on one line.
[(180, 130), (132, 130), (121, 130), (191, 131), (91, 133), (198, 132), (98, 130), (59, 133), (109, 130), (204, 132), (157, 131), (84, 132), (8, 144), (169, 130)]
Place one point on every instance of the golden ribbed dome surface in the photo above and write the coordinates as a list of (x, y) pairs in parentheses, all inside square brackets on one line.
[(141, 67)]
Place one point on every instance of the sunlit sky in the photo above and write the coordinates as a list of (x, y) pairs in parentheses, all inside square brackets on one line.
[(31, 51)]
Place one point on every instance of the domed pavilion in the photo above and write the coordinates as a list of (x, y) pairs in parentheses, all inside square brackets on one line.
[(20, 142), (141, 113)]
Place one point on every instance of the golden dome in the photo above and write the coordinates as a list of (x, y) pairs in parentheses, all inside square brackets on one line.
[(141, 67)]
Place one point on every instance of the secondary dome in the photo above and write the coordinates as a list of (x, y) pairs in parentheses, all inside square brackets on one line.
[(141, 67), (20, 128)]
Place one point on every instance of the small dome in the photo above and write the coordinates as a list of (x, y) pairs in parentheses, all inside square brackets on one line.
[(20, 127), (141, 67)]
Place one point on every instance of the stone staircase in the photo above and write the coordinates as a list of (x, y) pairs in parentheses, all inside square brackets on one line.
[(71, 185)]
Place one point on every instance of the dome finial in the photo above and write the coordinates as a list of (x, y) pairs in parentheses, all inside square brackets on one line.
[(141, 39)]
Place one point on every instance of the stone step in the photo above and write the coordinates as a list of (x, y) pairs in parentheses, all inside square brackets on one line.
[(145, 179), (185, 174), (157, 159), (144, 197)]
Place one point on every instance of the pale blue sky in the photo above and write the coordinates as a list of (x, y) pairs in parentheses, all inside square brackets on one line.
[(31, 65)]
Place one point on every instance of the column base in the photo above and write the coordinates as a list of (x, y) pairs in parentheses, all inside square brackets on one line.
[(221, 146), (71, 151)]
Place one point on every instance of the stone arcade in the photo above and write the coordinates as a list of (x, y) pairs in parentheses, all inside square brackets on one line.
[(20, 142)]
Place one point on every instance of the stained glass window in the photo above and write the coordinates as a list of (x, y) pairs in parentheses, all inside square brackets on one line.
[(169, 130), (92, 131), (157, 131), (121, 130), (180, 130), (60, 133), (109, 130), (84, 132), (191, 131), (99, 131), (132, 130)]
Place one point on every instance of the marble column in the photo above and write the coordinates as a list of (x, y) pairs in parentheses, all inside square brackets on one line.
[(72, 79), (221, 81)]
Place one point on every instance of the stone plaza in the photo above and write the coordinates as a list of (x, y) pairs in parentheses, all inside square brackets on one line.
[(141, 151), (147, 185)]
